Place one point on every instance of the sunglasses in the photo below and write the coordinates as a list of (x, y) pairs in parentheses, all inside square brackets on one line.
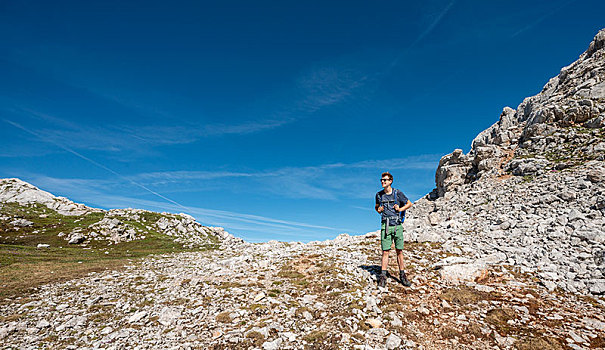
[(384, 180)]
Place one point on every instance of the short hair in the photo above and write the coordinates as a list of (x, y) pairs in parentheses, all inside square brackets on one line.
[(387, 174)]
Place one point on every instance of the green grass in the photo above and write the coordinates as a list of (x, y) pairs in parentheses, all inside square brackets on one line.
[(23, 266)]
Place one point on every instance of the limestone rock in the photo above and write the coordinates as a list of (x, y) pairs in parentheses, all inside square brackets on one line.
[(393, 342), (462, 272), (18, 191), (168, 316), (374, 323), (21, 223)]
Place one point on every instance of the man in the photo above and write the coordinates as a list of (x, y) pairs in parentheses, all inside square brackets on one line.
[(389, 203)]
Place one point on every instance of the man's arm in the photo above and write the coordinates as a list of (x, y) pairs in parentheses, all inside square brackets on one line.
[(403, 199), (407, 206), (378, 208)]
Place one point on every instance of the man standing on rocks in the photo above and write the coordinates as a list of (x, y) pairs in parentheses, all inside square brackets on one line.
[(388, 204)]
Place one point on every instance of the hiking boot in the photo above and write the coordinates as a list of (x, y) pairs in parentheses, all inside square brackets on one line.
[(404, 279), (382, 281)]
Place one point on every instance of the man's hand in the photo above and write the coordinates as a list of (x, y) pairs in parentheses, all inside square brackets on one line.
[(380, 209), (396, 206)]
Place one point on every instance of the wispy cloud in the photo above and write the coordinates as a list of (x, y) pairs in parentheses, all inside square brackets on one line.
[(142, 130), (331, 181), (540, 19), (93, 192), (117, 138), (325, 86), (425, 161)]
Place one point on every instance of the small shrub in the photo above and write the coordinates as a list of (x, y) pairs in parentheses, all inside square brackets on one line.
[(450, 333), (316, 336), (257, 337), (538, 343), (461, 296)]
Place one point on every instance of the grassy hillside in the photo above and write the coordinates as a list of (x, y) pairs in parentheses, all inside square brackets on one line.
[(23, 266)]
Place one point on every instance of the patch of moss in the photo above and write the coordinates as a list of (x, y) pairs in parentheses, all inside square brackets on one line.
[(450, 333), (315, 337), (462, 295), (257, 337), (499, 318), (223, 317)]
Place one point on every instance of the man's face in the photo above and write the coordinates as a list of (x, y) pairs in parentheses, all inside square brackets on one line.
[(385, 181)]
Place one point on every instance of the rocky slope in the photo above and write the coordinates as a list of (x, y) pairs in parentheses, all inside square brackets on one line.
[(320, 295), (532, 187), (112, 226), (506, 252)]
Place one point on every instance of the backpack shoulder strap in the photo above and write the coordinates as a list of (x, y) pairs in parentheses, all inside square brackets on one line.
[(396, 201)]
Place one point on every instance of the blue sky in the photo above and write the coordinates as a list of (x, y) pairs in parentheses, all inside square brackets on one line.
[(272, 119)]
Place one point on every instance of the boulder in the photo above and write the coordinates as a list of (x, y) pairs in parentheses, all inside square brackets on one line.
[(21, 223), (463, 272), (76, 238)]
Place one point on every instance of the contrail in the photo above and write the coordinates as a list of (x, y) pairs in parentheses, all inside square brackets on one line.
[(542, 18), (19, 126), (433, 24), (254, 219), (423, 34)]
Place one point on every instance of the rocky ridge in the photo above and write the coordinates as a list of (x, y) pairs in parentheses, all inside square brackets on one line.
[(113, 226), (532, 187), (23, 193)]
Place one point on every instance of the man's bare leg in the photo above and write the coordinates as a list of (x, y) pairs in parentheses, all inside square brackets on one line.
[(382, 279), (385, 259), (400, 259), (402, 276)]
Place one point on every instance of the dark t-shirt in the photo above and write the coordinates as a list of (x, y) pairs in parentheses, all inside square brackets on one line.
[(389, 205)]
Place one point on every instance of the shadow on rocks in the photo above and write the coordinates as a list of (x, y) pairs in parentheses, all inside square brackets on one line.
[(375, 270)]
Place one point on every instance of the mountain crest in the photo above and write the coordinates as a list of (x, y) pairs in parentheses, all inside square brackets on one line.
[(558, 128)]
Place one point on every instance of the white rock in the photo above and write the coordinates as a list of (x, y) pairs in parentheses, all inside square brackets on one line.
[(21, 223), (258, 297), (137, 316), (393, 341), (43, 324), (272, 345), (168, 316), (594, 323), (462, 272)]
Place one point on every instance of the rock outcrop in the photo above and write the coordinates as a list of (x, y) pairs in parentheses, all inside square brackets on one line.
[(560, 127), (532, 186), (21, 192)]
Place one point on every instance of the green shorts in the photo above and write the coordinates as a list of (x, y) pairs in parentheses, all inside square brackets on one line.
[(395, 233)]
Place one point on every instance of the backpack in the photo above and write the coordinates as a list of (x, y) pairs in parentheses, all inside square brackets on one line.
[(399, 217)]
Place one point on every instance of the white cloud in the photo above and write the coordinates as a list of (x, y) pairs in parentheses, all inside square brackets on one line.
[(331, 181), (94, 192)]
